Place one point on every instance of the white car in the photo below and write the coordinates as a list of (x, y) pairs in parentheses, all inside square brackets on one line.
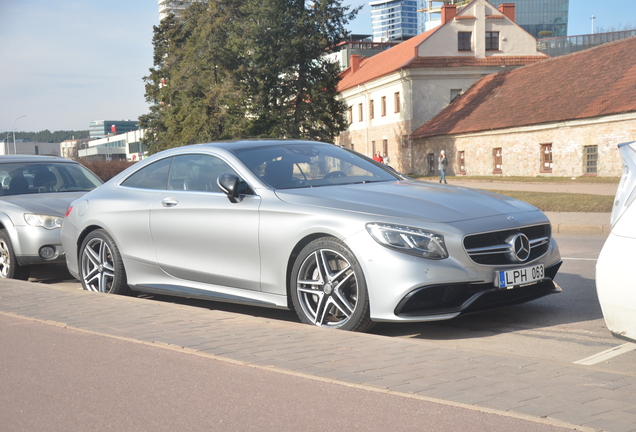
[(615, 283)]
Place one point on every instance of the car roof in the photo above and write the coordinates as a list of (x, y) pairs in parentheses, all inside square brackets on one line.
[(32, 159), (252, 143)]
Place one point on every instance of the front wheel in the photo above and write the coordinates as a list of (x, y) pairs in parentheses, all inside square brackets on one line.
[(9, 267), (328, 288), (101, 266)]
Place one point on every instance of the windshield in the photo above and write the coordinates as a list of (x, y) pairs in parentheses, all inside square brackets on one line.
[(287, 166), (31, 178)]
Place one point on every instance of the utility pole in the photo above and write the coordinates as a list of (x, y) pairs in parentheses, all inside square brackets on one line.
[(14, 149), (593, 18)]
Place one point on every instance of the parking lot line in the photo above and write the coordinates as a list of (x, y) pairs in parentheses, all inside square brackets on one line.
[(607, 354)]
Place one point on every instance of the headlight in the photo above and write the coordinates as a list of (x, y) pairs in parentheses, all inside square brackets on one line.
[(44, 221), (409, 240)]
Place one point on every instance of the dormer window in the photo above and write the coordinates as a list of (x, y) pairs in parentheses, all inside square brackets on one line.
[(464, 41), (492, 41)]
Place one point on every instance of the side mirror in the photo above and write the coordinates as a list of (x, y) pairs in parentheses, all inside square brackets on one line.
[(229, 185)]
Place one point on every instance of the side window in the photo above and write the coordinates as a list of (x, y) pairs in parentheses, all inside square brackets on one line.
[(197, 172), (153, 176)]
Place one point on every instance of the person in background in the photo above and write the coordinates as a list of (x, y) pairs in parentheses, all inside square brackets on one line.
[(441, 165), (386, 159), (377, 157)]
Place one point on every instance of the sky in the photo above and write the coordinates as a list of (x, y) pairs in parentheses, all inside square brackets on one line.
[(64, 63)]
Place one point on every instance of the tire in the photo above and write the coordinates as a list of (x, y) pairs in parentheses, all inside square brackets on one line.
[(328, 288), (9, 267), (101, 266)]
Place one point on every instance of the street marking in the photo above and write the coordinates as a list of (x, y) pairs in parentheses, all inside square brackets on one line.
[(607, 354)]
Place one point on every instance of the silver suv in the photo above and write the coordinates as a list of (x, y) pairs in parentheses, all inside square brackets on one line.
[(35, 193)]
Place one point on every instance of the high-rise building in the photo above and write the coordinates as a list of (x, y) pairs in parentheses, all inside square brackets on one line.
[(167, 7), (103, 128), (540, 18), (393, 20)]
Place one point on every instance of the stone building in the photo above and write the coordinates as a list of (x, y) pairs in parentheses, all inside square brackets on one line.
[(560, 117), (391, 94)]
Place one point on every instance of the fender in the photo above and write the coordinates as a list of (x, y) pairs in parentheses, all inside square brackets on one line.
[(7, 224)]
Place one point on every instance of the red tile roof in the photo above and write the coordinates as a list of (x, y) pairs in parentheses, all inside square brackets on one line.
[(593, 83), (384, 63)]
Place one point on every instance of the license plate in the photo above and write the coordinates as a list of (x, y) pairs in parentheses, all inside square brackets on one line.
[(519, 276)]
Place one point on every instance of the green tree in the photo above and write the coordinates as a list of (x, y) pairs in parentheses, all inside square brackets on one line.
[(245, 68)]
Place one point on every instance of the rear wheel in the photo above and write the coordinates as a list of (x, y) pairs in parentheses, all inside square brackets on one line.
[(101, 266), (9, 267), (328, 287)]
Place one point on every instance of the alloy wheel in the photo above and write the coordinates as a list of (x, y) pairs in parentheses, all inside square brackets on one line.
[(98, 268), (327, 288)]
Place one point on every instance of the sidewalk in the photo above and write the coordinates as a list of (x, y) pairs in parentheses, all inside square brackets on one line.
[(549, 392)]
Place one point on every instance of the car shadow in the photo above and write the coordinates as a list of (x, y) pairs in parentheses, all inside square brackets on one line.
[(254, 311)]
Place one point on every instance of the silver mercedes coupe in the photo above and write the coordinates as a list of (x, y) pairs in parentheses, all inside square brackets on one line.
[(342, 240)]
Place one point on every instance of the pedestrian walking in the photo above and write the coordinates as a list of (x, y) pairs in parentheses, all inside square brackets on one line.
[(441, 165)]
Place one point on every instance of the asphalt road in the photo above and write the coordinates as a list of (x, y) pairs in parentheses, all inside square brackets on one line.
[(57, 379)]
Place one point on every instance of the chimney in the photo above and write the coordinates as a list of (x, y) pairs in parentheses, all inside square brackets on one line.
[(448, 13), (354, 63), (508, 9)]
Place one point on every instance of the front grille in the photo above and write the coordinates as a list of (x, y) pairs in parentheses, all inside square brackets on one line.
[(493, 248)]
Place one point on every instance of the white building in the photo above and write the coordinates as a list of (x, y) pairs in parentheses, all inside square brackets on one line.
[(126, 146), (167, 7), (395, 92)]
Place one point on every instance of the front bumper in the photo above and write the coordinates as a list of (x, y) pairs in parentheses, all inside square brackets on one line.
[(464, 298), (29, 240)]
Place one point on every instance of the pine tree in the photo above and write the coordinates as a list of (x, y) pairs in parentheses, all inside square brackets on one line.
[(245, 68)]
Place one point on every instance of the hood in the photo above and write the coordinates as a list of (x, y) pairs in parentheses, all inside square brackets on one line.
[(52, 204), (408, 199)]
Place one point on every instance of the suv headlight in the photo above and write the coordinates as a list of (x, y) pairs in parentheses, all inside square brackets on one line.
[(44, 221), (409, 240)]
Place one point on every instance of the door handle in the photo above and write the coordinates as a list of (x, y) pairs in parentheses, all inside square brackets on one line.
[(169, 202)]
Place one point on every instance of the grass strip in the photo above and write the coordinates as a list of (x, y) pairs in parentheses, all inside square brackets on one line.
[(563, 202), (538, 179)]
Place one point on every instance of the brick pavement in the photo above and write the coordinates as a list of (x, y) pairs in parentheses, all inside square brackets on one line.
[(556, 393)]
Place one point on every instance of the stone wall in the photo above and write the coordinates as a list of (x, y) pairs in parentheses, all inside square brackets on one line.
[(521, 149)]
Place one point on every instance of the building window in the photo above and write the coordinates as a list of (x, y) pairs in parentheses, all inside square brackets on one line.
[(591, 159), (385, 147), (492, 41), (383, 106), (431, 164), (546, 158), (461, 160), (463, 41), (350, 114), (497, 156), (371, 109), (360, 118), (396, 100)]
